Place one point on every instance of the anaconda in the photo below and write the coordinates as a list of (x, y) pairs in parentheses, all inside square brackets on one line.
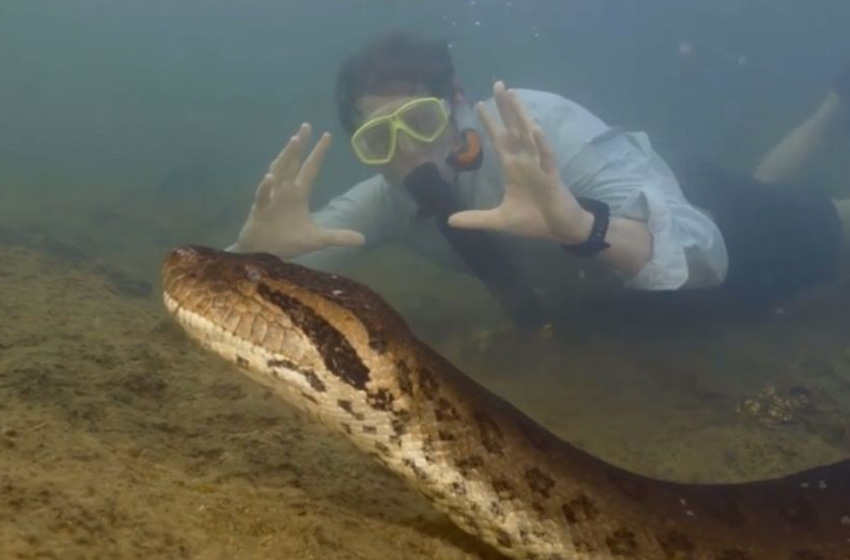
[(332, 347)]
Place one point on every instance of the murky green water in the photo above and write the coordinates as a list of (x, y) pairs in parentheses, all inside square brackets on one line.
[(130, 127)]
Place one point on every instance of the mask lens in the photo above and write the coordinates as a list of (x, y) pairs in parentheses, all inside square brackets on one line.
[(373, 141), (425, 120)]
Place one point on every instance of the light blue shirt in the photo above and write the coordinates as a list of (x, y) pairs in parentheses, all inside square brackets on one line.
[(615, 166)]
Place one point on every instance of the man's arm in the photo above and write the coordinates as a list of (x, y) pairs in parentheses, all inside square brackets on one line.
[(630, 243), (655, 234), (556, 153)]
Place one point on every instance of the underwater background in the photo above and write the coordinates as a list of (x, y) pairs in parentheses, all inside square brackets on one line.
[(130, 127)]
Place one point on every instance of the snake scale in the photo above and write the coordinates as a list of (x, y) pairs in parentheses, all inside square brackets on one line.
[(333, 348)]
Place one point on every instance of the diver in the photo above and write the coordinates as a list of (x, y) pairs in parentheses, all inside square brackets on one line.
[(461, 180)]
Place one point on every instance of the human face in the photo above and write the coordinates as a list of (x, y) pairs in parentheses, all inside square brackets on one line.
[(411, 150)]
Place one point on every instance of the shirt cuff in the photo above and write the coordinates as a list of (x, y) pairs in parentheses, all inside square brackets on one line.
[(667, 268)]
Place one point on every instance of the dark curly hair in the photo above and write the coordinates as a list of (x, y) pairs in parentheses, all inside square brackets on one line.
[(389, 59)]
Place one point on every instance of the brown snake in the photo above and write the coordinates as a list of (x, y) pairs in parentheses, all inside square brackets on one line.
[(335, 349)]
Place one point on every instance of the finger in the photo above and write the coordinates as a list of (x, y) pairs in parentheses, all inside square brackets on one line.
[(265, 190), (263, 194), (275, 165), (304, 132), (509, 119), (276, 168), (279, 167), (343, 237), (290, 152), (477, 219), (525, 123), (292, 165), (310, 169), (548, 162), (488, 124)]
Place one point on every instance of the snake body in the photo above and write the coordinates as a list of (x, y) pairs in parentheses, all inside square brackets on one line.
[(335, 349)]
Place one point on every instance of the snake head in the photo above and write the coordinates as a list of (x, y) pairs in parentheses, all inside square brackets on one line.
[(242, 305)]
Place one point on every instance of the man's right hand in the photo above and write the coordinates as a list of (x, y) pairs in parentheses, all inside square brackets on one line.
[(280, 222)]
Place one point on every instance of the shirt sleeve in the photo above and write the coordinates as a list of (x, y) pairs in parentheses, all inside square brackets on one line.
[(370, 208), (622, 170)]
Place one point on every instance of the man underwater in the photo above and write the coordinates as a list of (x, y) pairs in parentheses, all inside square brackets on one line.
[(534, 165)]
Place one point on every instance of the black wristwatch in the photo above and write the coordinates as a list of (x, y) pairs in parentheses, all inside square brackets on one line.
[(595, 242)]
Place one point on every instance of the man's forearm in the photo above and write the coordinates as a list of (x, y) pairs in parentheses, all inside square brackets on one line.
[(630, 246)]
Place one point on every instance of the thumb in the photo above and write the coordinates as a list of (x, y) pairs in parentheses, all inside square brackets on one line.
[(476, 219), (343, 237)]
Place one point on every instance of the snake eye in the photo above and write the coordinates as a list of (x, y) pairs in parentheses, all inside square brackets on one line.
[(253, 274)]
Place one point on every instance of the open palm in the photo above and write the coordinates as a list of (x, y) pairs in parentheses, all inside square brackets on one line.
[(280, 222), (536, 203)]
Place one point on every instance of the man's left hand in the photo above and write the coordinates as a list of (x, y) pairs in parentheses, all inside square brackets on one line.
[(536, 203)]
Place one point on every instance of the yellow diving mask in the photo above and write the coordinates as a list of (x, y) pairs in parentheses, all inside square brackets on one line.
[(422, 119)]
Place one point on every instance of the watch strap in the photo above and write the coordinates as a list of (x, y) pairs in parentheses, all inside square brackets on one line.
[(595, 242)]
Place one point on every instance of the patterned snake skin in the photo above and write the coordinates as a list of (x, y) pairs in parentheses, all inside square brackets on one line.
[(333, 348)]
